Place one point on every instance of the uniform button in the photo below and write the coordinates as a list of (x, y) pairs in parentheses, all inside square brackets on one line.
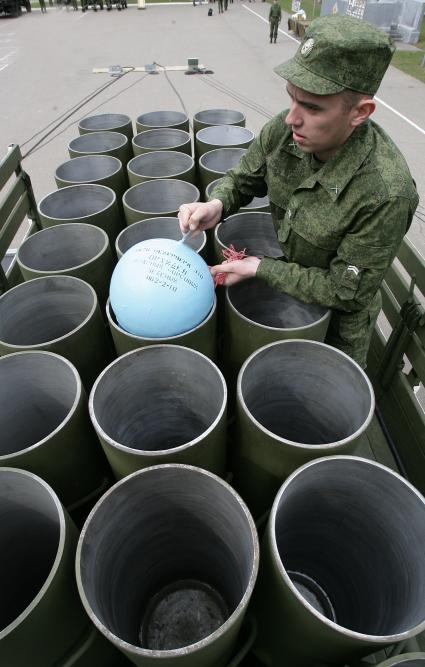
[(289, 213)]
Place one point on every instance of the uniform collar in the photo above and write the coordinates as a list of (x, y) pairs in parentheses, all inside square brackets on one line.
[(337, 172)]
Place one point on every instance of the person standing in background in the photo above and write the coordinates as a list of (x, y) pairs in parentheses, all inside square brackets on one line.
[(275, 17)]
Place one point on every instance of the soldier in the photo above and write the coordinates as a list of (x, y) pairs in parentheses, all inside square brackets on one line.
[(275, 16), (341, 194), (220, 6), (43, 7)]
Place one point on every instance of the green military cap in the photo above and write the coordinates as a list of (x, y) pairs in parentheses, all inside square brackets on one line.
[(338, 53)]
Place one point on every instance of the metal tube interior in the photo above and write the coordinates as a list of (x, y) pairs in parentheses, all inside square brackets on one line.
[(253, 231), (62, 247), (162, 138), (97, 142), (219, 116), (77, 201), (306, 392), (30, 530), (88, 168), (44, 309), (47, 386), (256, 202), (221, 160), (156, 228), (191, 528), (160, 196), (358, 532), (162, 118), (260, 303), (104, 121), (160, 164), (158, 398), (224, 135)]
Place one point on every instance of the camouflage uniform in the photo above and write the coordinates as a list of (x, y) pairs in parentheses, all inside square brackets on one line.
[(339, 223), (275, 15), (220, 6)]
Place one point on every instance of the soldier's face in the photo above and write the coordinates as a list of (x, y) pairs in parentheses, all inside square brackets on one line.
[(320, 124)]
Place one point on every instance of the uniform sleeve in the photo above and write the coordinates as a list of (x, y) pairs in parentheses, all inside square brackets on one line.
[(357, 270), (246, 180)]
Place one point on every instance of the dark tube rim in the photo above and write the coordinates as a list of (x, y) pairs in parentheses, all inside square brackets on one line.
[(72, 409), (301, 445), (271, 538), (186, 141), (236, 111), (80, 218), (124, 141), (88, 181), (147, 177), (36, 346), (214, 171), (138, 222), (402, 659), (59, 553), (157, 453), (166, 339), (243, 603), (209, 143), (61, 272), (162, 214), (139, 119), (122, 115)]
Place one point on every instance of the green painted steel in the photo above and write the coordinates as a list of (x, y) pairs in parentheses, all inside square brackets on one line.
[(334, 556), (162, 139), (297, 400), (102, 143), (107, 122), (222, 136), (407, 660), (142, 409), (59, 314), (99, 169), (214, 164), (88, 203), (158, 198), (49, 433), (209, 117), (202, 338), (161, 164), (44, 623), (258, 204), (252, 231), (154, 228), (76, 249), (152, 530), (157, 119)]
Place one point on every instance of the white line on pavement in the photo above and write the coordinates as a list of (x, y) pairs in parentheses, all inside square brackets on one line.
[(378, 99)]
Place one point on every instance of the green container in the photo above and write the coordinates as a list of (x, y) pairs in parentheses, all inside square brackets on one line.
[(102, 143), (107, 122), (406, 660), (78, 250), (157, 198), (43, 621), (162, 139), (161, 404), (166, 565), (59, 314), (257, 204), (297, 400), (158, 228), (157, 119), (201, 338), (341, 569), (209, 117), (92, 204), (222, 136), (161, 164), (251, 231), (100, 169), (49, 433), (216, 163)]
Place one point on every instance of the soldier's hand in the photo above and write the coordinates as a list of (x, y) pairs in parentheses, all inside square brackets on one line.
[(199, 216), (236, 271)]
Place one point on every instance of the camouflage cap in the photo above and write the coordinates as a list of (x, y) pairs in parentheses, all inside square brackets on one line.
[(339, 52)]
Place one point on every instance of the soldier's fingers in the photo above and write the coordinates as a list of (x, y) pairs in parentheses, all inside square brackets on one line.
[(184, 217)]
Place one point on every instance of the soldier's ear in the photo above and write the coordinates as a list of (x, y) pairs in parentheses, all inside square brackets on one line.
[(362, 110)]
